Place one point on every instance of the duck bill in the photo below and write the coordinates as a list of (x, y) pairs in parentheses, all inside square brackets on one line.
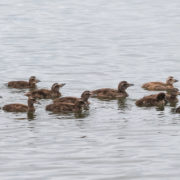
[(90, 94), (175, 80), (37, 81), (130, 85), (61, 85)]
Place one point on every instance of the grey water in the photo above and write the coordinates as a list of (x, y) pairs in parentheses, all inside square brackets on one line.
[(89, 44)]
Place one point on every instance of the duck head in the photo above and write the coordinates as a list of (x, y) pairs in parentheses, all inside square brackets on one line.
[(85, 95), (33, 81), (161, 96), (170, 80), (55, 87), (123, 85)]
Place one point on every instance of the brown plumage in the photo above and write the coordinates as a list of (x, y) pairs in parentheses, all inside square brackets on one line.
[(21, 107), (160, 86), (84, 97), (152, 100), (178, 110), (24, 84), (171, 95), (45, 93), (112, 93), (63, 107)]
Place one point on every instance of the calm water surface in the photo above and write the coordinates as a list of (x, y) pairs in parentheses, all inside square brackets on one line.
[(87, 45)]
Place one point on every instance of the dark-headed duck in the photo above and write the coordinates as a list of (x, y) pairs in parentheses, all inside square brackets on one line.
[(21, 107), (112, 93), (171, 95), (24, 84), (152, 100), (84, 97), (63, 107), (45, 93), (160, 86)]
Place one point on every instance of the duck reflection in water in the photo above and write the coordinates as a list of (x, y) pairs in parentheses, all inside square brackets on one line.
[(122, 104), (31, 116)]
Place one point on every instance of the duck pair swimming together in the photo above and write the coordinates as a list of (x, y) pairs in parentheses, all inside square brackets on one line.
[(160, 99)]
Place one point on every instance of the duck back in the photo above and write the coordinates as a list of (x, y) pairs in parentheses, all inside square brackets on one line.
[(15, 108)]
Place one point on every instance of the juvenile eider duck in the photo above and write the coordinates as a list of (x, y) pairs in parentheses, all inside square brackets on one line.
[(46, 94), (62, 107), (112, 93), (24, 84), (160, 86), (171, 95), (178, 109), (152, 100), (21, 107), (84, 97)]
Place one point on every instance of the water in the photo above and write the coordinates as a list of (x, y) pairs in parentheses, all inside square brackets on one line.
[(88, 45)]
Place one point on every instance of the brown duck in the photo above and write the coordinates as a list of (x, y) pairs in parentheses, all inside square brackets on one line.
[(24, 84), (63, 107), (21, 107), (84, 97), (46, 94), (160, 86), (171, 95), (112, 93), (152, 100)]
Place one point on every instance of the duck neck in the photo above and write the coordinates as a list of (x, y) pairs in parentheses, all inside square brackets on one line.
[(173, 96), (169, 83), (32, 84), (55, 90), (85, 99), (122, 90)]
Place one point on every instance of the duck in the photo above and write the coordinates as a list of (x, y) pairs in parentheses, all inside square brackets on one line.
[(178, 109), (112, 93), (45, 93), (24, 84), (160, 86), (152, 100), (84, 97), (63, 107), (171, 95), (21, 107)]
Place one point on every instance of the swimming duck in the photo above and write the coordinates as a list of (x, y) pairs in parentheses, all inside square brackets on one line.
[(171, 95), (178, 110), (84, 97), (152, 100), (21, 107), (24, 84), (113, 93), (46, 94), (160, 86), (66, 107)]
